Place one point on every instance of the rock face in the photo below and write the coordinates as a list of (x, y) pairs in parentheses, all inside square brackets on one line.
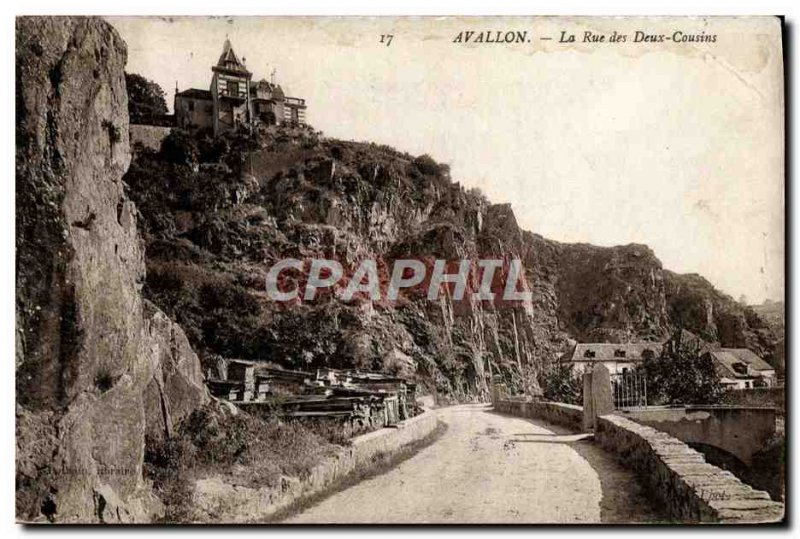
[(96, 367), (217, 213)]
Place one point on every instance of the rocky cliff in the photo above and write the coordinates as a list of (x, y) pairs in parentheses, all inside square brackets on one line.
[(218, 212), (98, 367)]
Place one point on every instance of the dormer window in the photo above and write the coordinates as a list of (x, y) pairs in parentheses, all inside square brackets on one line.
[(739, 368)]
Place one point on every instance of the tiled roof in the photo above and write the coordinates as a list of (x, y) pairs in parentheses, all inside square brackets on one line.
[(726, 358), (194, 93), (613, 352)]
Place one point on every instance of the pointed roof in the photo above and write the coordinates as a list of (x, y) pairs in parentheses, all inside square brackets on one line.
[(229, 61), (227, 55)]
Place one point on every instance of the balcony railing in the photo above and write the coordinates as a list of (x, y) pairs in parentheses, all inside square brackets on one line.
[(233, 95)]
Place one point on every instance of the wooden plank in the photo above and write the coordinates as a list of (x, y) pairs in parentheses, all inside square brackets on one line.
[(317, 414)]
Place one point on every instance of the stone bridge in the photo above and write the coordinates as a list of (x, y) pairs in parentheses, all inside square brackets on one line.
[(740, 431)]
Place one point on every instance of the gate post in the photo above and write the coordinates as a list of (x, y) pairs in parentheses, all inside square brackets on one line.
[(598, 398), (602, 395), (588, 408)]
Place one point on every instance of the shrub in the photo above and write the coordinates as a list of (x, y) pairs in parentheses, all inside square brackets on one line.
[(427, 166), (180, 147), (560, 383), (682, 374), (337, 432), (167, 462), (114, 133), (217, 314), (255, 452)]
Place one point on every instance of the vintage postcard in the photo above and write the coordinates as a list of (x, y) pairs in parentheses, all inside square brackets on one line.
[(400, 270)]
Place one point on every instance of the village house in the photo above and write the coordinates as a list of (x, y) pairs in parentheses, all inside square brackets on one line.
[(740, 368), (234, 99), (617, 358)]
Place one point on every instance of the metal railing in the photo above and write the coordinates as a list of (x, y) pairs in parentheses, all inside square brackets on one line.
[(630, 391)]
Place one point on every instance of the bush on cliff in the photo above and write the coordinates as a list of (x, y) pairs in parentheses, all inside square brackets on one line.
[(215, 312), (429, 167)]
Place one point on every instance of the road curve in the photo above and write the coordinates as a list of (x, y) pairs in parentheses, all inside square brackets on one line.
[(493, 468)]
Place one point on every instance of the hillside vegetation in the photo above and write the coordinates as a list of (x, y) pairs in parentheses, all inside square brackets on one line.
[(216, 213)]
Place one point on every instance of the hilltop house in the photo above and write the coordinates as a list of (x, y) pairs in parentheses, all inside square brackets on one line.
[(740, 368), (618, 358), (234, 99)]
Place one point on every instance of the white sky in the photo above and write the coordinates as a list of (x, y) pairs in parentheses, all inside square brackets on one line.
[(676, 146)]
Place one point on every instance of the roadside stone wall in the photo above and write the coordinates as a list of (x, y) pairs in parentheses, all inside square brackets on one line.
[(679, 477), (566, 415), (150, 136), (219, 502)]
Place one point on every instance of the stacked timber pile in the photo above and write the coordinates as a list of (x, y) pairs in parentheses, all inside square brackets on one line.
[(365, 399)]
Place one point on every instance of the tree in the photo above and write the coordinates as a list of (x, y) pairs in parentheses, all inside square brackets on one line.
[(682, 374), (560, 383), (145, 98), (180, 147), (428, 166)]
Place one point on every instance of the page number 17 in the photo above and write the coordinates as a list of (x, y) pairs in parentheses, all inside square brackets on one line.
[(386, 38)]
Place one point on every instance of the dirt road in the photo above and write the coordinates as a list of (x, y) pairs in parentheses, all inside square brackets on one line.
[(491, 468)]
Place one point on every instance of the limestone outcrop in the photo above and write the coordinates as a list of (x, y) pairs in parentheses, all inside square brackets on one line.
[(94, 362)]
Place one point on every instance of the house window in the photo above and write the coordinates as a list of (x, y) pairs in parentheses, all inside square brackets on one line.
[(588, 353), (191, 106), (619, 353), (233, 88)]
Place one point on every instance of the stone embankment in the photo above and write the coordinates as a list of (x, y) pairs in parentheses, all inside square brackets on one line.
[(219, 502), (150, 136), (679, 477)]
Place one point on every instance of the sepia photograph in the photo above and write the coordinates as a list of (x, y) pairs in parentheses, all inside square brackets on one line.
[(400, 270)]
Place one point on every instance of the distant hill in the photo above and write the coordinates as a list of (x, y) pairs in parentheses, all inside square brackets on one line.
[(774, 313)]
